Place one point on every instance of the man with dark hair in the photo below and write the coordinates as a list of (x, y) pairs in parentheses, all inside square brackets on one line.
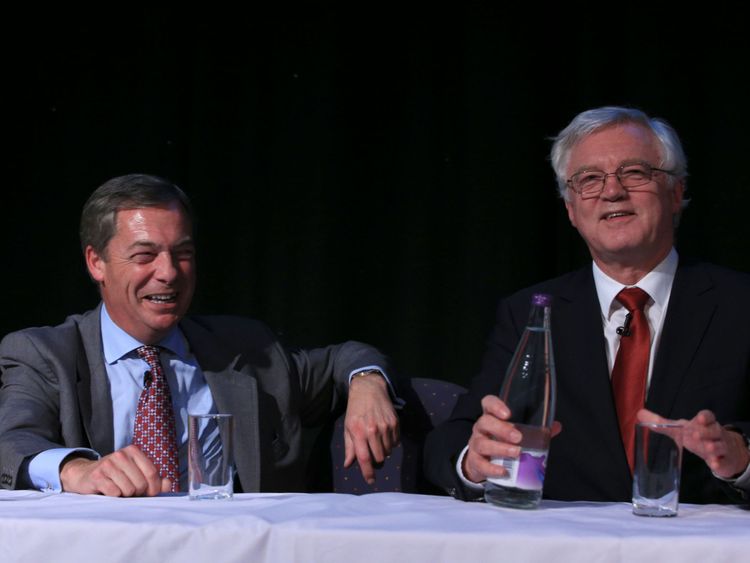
[(622, 177), (72, 400)]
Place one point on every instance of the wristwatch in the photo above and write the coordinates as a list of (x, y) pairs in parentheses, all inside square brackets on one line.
[(366, 372)]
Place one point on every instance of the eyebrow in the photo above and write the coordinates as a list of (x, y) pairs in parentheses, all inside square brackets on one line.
[(187, 241), (627, 162)]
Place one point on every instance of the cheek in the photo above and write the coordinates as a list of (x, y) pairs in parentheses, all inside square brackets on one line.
[(571, 213), (188, 272)]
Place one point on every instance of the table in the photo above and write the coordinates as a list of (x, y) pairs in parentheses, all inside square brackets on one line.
[(355, 529)]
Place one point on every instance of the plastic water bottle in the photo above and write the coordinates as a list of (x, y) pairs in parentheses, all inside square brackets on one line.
[(529, 392)]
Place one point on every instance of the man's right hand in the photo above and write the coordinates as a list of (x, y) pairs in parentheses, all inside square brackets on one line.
[(492, 436), (124, 473)]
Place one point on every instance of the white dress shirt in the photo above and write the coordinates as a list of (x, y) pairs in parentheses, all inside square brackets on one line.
[(658, 284)]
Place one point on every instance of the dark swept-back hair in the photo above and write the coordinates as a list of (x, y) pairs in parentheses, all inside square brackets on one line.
[(133, 191)]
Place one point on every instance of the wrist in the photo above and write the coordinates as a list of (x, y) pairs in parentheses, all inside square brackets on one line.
[(367, 375), (71, 467), (742, 442)]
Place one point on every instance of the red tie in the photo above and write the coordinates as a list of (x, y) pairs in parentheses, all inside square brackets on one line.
[(154, 430), (631, 366)]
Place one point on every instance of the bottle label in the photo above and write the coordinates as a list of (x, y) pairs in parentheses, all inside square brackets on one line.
[(524, 472)]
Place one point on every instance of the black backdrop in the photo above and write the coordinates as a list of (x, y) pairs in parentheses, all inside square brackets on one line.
[(376, 175)]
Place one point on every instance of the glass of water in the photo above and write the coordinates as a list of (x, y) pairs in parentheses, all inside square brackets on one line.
[(210, 456), (658, 462)]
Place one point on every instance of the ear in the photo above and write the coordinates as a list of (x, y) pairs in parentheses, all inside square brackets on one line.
[(95, 264)]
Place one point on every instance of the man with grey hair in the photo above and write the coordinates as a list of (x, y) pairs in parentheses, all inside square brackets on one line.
[(99, 404), (621, 175)]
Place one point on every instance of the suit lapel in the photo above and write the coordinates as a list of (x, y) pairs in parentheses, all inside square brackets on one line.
[(234, 391), (94, 395), (689, 313), (580, 350)]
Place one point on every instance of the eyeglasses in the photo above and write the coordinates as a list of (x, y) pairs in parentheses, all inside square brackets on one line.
[(590, 183)]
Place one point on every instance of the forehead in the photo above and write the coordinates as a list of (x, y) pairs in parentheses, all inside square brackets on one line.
[(609, 147), (166, 224)]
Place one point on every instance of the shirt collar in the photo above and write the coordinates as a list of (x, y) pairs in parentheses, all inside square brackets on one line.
[(117, 343), (657, 283)]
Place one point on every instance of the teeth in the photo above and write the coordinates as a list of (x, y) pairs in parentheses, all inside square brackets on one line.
[(617, 214), (162, 298)]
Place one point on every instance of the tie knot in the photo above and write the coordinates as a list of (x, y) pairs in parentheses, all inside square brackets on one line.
[(633, 298), (150, 354)]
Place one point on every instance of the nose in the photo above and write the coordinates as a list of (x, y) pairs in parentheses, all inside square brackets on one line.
[(612, 189), (165, 268)]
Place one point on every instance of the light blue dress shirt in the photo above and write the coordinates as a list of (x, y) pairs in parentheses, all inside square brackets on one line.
[(125, 370)]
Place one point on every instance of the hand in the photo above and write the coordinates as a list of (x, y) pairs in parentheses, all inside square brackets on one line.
[(124, 473), (370, 426), (493, 437), (724, 451)]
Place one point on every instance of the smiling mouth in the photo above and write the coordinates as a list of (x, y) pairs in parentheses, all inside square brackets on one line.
[(162, 298), (616, 214)]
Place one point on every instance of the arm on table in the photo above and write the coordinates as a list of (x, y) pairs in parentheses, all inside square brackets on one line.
[(123, 473)]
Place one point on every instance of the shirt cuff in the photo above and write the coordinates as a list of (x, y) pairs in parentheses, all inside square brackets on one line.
[(397, 401), (44, 468), (741, 482), (459, 469)]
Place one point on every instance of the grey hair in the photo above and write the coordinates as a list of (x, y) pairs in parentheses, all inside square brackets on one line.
[(588, 122), (134, 191)]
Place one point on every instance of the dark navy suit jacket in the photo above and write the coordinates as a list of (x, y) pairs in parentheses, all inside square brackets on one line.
[(703, 362)]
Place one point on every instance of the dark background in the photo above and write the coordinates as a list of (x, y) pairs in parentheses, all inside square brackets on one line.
[(378, 174)]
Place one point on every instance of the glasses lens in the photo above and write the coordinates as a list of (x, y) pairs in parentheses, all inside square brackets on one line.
[(633, 175), (588, 181)]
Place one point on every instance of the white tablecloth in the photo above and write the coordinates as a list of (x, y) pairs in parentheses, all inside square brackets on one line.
[(38, 527)]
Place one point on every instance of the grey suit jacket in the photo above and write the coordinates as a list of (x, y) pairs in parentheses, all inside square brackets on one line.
[(703, 362), (55, 393)]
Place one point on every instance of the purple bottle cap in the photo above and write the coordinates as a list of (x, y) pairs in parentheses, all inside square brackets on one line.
[(541, 299)]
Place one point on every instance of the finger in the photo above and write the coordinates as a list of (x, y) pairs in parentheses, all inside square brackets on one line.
[(166, 485), (396, 434), (477, 468), (107, 487), (705, 418), (495, 406), (363, 458), (376, 448), (112, 480), (144, 473), (98, 481), (489, 448), (647, 416), (384, 439), (556, 428), (348, 450), (497, 429)]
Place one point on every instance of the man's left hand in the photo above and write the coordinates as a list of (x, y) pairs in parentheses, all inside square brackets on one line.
[(724, 451), (370, 426)]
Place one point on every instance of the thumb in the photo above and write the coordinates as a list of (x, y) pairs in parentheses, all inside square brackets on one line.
[(645, 415)]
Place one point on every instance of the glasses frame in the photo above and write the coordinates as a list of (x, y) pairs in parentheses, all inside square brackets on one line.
[(617, 174)]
